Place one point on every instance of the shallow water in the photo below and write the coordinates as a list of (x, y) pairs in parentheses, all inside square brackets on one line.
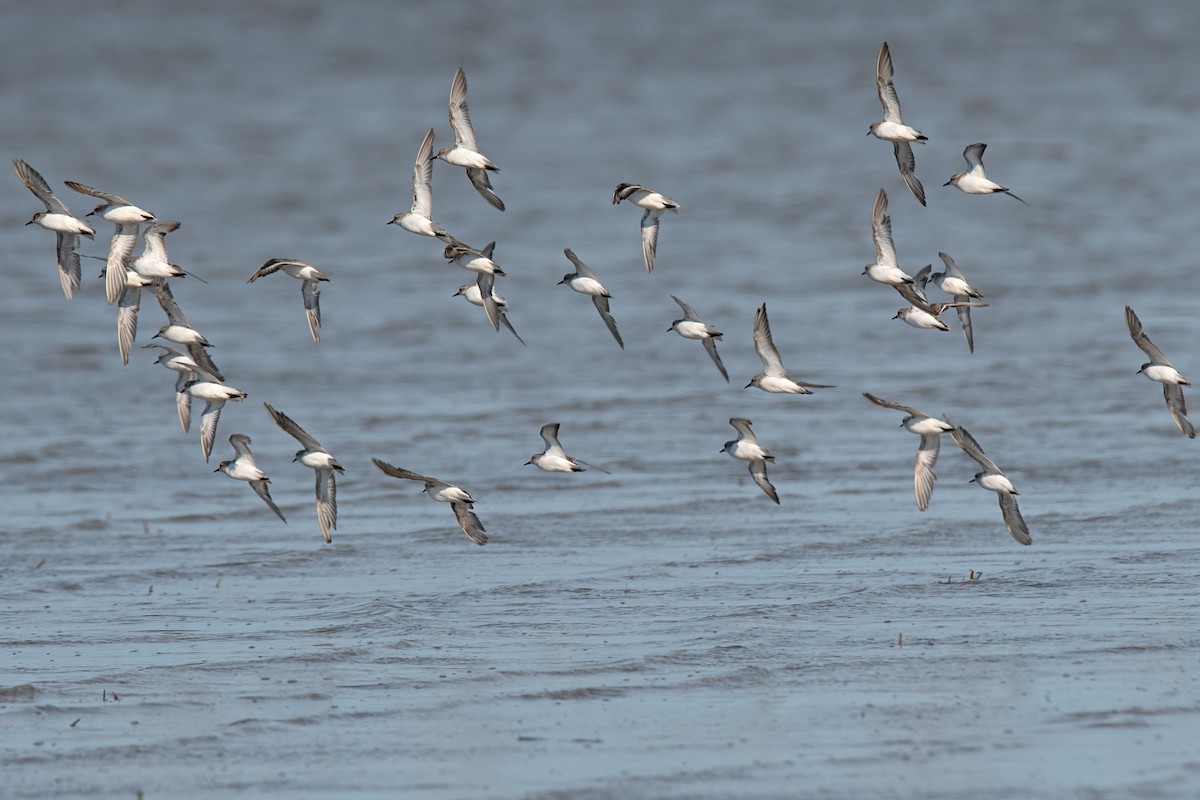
[(663, 631)]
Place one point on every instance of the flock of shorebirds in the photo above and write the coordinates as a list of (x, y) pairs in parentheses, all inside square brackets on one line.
[(197, 376)]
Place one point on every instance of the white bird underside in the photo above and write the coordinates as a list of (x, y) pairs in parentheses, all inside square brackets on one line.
[(774, 378), (244, 468), (994, 480), (310, 287), (930, 430), (57, 217), (892, 127), (692, 327), (746, 448), (554, 458), (460, 501), (323, 464), (120, 254), (954, 283), (419, 218), (126, 217), (654, 204), (584, 281), (1163, 371), (975, 180), (422, 180), (465, 152), (116, 209), (214, 395), (473, 293)]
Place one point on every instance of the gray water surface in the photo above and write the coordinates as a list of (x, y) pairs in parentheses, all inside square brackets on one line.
[(664, 631)]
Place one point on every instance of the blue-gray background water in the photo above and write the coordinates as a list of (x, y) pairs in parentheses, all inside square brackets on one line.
[(663, 631)]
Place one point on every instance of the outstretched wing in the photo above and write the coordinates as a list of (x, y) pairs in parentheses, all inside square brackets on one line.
[(742, 426), (170, 307), (290, 427), (119, 251), (273, 265), (650, 237), (881, 231), (1177, 405), (311, 291), (208, 425), (241, 446), (35, 183), (974, 157), (469, 523), (85, 189), (204, 360), (923, 475), (907, 163), (626, 190), (460, 120), (710, 345), (883, 82), (400, 472), (580, 267), (764, 344), (422, 181), (1013, 519), (971, 447), (689, 313), (260, 489), (483, 184), (964, 319), (758, 471), (952, 266), (326, 502), (504, 318), (601, 304), (183, 404), (549, 434), (1142, 340), (69, 272), (879, 401), (154, 238), (127, 311), (915, 296), (486, 283)]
